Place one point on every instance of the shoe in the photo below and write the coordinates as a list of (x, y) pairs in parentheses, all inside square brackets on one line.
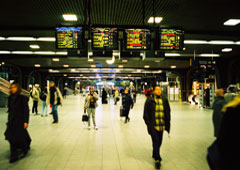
[(55, 121), (13, 158), (128, 119), (89, 128), (96, 128), (157, 164)]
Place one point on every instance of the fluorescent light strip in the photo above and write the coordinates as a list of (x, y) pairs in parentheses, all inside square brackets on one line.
[(231, 22), (46, 39), (44, 52), (22, 52), (219, 42), (2, 38), (5, 52), (69, 17), (34, 46), (21, 39), (171, 54), (195, 42), (61, 53), (209, 55), (55, 59), (37, 65), (227, 50), (65, 65)]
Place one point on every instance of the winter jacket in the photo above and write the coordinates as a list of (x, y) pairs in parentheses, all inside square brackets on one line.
[(87, 100), (217, 113), (57, 94), (127, 101), (35, 94), (149, 114)]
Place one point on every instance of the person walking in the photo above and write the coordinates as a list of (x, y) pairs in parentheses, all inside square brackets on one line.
[(54, 98), (17, 124), (157, 118), (116, 96), (90, 106), (217, 113), (35, 97), (134, 93), (127, 103), (43, 97)]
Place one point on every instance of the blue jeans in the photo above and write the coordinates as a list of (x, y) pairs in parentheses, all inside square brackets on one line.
[(55, 112), (157, 142), (43, 107)]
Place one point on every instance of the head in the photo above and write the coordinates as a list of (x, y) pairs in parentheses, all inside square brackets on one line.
[(52, 84), (219, 93), (126, 91), (15, 88), (157, 91), (91, 90)]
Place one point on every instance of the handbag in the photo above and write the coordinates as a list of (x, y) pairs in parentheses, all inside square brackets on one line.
[(84, 117)]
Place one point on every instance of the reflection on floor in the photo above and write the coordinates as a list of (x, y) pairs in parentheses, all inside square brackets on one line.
[(68, 145)]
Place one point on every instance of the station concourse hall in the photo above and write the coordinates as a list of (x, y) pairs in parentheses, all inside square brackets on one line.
[(119, 85)]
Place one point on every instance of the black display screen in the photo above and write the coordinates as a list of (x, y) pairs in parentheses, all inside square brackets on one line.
[(138, 39), (171, 39), (104, 39), (69, 38)]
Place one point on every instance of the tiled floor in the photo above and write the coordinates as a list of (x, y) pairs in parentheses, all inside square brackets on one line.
[(115, 146)]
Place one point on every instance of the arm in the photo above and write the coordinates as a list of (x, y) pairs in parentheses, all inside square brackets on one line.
[(25, 111), (59, 95), (95, 96), (145, 112)]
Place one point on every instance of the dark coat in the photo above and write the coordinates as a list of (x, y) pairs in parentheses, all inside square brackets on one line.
[(217, 113), (18, 114), (149, 114), (228, 140), (127, 101)]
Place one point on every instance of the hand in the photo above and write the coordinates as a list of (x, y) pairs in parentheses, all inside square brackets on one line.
[(25, 125), (84, 110), (6, 123)]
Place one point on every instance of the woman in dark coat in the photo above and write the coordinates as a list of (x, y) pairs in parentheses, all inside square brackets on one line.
[(18, 118), (217, 113), (104, 96), (127, 103)]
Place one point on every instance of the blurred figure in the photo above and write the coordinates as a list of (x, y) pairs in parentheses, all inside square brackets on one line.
[(134, 93), (43, 97), (104, 96), (127, 103), (217, 110), (35, 96), (157, 118), (231, 93), (65, 92), (116, 96), (54, 98), (18, 118), (90, 106), (148, 93)]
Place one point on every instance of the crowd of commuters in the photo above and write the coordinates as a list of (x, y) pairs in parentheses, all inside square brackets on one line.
[(156, 115)]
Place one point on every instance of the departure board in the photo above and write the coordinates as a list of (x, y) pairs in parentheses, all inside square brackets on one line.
[(138, 39), (104, 39), (171, 39), (69, 38)]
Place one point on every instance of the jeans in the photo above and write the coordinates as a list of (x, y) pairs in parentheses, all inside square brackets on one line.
[(43, 107), (91, 111), (157, 142), (126, 113), (55, 112), (35, 107)]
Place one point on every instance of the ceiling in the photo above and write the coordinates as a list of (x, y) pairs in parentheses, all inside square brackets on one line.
[(200, 20)]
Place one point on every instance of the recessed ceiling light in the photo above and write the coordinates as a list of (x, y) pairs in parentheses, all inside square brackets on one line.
[(69, 17), (129, 75), (120, 66), (146, 66), (65, 65), (220, 42), (81, 74), (55, 59), (53, 71), (139, 71), (5, 52), (21, 39), (209, 55), (173, 66), (46, 39), (157, 61), (227, 50), (124, 61), (195, 42), (90, 59), (22, 52), (93, 66), (232, 22), (37, 65), (73, 70), (150, 20), (3, 63), (65, 75), (184, 48), (35, 46), (172, 54), (157, 20)]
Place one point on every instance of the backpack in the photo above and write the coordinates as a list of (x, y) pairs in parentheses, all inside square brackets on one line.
[(43, 96)]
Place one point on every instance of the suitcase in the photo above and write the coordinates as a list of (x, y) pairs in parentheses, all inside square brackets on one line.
[(122, 114)]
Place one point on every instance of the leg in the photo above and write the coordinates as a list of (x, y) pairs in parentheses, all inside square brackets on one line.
[(126, 113), (55, 114), (14, 155), (36, 107), (33, 107), (156, 142), (46, 113), (89, 117), (43, 106), (93, 116)]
